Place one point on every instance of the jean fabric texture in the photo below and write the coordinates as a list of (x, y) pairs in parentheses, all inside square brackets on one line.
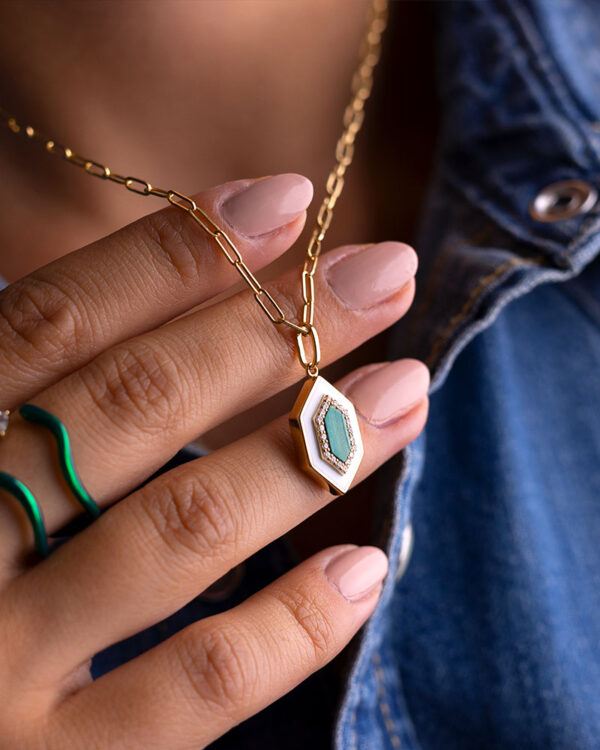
[(491, 638)]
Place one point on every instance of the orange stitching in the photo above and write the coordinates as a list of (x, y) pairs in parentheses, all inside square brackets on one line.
[(482, 284), (384, 705)]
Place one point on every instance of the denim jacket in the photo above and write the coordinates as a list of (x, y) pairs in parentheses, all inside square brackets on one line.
[(490, 637)]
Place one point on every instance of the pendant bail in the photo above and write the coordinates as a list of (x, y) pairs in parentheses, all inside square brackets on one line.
[(310, 365)]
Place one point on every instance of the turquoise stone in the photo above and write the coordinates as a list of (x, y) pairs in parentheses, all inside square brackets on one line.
[(337, 433)]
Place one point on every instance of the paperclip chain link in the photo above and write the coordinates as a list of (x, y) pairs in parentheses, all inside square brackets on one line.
[(362, 83)]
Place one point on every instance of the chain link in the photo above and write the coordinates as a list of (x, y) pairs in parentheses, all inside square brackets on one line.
[(362, 83)]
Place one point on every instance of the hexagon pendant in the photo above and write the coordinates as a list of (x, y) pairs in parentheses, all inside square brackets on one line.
[(325, 429)]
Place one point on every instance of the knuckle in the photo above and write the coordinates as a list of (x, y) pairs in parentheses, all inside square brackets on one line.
[(171, 242), (195, 515), (312, 623), (133, 382), (41, 316), (220, 666)]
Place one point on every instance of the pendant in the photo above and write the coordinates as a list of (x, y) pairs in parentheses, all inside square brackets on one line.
[(325, 429)]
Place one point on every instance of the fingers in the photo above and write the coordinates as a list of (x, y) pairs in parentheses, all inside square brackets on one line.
[(162, 546), (191, 689), (134, 406), (59, 317)]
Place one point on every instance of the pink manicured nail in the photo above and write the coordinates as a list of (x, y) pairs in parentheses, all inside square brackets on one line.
[(268, 204), (356, 572), (391, 390), (370, 275)]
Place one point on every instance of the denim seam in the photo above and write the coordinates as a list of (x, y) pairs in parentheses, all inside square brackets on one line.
[(586, 246), (354, 732), (483, 202), (384, 706), (476, 292), (351, 699), (438, 267)]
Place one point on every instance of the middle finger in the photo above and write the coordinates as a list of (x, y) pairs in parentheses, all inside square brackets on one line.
[(133, 407)]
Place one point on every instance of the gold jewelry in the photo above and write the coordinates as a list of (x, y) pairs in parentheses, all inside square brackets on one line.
[(4, 417), (323, 421)]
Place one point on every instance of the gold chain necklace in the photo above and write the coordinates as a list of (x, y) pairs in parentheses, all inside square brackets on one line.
[(323, 421)]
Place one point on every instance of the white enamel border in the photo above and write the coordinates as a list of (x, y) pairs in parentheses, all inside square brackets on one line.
[(341, 481)]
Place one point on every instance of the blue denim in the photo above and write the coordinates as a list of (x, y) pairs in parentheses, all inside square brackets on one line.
[(491, 638)]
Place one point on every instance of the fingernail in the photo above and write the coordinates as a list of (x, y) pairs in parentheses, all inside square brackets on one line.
[(356, 572), (370, 275), (268, 204), (387, 392)]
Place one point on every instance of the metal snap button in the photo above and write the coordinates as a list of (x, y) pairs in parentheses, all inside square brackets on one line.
[(562, 200), (407, 544)]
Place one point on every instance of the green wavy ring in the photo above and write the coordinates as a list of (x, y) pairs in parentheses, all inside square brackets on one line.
[(41, 417), (25, 497)]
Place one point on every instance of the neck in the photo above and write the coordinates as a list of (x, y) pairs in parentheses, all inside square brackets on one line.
[(191, 94), (184, 95)]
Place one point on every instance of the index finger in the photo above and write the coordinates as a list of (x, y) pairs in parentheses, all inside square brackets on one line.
[(58, 318)]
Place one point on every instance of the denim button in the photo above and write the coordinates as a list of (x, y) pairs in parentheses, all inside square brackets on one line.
[(405, 550), (562, 200)]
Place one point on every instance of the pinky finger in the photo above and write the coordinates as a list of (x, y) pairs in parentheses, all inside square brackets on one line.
[(194, 687)]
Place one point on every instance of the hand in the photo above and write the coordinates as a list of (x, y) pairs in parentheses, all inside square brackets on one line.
[(104, 339)]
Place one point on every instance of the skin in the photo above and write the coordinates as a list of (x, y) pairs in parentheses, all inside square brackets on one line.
[(185, 529), (51, 620), (181, 142)]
